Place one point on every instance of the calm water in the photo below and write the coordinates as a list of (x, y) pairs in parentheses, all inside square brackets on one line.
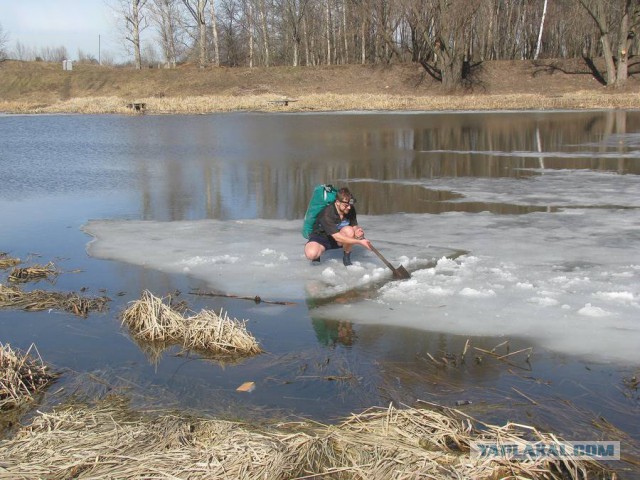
[(59, 172)]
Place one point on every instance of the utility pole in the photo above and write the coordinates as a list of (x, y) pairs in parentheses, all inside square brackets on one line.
[(99, 58)]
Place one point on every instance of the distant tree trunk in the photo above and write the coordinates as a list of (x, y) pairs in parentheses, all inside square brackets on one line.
[(214, 32), (344, 33), (625, 39), (165, 14), (539, 43), (295, 12), (251, 39), (135, 27), (446, 32), (4, 38), (328, 29), (198, 14), (307, 52), (616, 65), (265, 33), (135, 22)]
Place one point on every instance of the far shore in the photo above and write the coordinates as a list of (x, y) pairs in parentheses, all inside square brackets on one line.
[(329, 102)]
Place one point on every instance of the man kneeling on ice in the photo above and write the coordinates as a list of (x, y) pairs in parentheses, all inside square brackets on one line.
[(336, 227)]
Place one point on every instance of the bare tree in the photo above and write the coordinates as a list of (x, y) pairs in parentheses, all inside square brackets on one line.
[(133, 12), (262, 12), (4, 39), (166, 16), (214, 33), (615, 18), (86, 57), (197, 11), (295, 13), (23, 52), (539, 43)]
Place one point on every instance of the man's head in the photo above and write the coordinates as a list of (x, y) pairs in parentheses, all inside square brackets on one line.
[(344, 199)]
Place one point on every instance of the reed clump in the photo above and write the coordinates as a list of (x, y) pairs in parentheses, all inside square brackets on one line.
[(22, 375), (38, 300), (152, 319), (7, 262), (108, 440), (34, 272)]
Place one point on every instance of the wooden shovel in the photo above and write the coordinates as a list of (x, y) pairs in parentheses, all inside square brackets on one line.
[(399, 272)]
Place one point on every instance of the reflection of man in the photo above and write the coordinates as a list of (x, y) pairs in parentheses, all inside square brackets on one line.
[(336, 226), (332, 332)]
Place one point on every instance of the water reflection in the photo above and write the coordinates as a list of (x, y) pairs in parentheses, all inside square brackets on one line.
[(333, 332), (265, 166), (281, 158)]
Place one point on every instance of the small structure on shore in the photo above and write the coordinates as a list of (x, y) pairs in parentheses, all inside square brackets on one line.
[(137, 106)]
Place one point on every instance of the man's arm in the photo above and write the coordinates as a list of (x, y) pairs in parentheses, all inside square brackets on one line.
[(347, 240)]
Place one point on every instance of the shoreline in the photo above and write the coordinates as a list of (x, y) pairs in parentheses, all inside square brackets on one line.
[(318, 103)]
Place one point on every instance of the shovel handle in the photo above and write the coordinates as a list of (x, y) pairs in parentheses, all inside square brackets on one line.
[(386, 262)]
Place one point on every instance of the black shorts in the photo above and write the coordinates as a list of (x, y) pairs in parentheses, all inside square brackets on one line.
[(328, 243)]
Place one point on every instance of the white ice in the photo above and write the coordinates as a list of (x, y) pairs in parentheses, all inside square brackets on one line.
[(567, 281)]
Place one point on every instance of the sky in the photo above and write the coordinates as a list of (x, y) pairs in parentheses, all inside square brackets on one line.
[(89, 25)]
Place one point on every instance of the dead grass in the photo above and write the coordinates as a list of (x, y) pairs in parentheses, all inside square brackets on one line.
[(38, 300), (7, 262), (36, 87), (22, 375), (108, 440), (152, 319), (34, 272), (333, 102)]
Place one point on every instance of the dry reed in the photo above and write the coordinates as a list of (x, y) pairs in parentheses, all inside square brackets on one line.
[(152, 320), (21, 376), (108, 440), (585, 99), (38, 300), (6, 261), (34, 272)]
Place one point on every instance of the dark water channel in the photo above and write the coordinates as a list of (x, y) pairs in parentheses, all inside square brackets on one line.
[(59, 172)]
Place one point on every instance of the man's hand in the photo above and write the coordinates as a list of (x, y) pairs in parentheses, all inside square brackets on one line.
[(365, 243)]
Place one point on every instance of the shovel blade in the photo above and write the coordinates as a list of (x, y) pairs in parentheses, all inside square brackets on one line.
[(401, 273)]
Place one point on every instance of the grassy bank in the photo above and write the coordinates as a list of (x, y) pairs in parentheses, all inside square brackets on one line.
[(34, 87)]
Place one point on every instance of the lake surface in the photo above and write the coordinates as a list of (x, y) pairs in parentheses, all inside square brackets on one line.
[(537, 212)]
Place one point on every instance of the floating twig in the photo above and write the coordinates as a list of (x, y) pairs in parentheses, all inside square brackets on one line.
[(520, 393), (256, 299)]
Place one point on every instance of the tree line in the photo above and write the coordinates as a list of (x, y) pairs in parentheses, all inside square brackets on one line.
[(447, 37)]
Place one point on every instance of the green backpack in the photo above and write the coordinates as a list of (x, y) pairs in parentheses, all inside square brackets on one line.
[(322, 196)]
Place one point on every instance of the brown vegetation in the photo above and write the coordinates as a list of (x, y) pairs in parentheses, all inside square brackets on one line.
[(22, 375), (6, 261), (110, 440), (38, 300), (36, 87), (152, 319), (34, 272)]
